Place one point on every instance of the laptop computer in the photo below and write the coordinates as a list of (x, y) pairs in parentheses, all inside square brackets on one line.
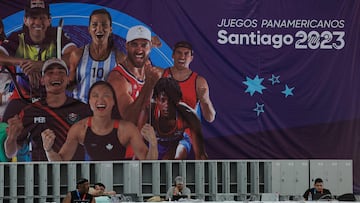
[(177, 197), (81, 201), (319, 196)]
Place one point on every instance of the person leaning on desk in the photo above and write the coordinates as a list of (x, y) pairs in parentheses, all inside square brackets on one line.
[(317, 192), (179, 190)]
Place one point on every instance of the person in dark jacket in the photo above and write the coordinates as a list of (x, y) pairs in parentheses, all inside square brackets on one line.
[(81, 194), (317, 192)]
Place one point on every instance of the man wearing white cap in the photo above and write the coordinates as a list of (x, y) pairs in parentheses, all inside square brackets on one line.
[(179, 190), (135, 79), (56, 112), (94, 61)]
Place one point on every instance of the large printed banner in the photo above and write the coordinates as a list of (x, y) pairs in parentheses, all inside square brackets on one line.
[(283, 74)]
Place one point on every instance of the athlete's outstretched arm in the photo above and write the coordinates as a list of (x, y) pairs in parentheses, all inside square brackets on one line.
[(125, 103), (9, 60), (129, 108), (202, 92), (148, 132), (198, 145), (193, 122), (72, 60), (129, 134), (15, 127), (68, 149)]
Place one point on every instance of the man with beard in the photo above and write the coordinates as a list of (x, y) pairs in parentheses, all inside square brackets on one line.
[(135, 78), (81, 194)]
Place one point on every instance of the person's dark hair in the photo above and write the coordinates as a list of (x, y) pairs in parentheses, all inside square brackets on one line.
[(2, 34), (101, 82), (81, 181), (36, 8), (170, 87), (105, 12), (184, 44), (318, 180), (99, 184)]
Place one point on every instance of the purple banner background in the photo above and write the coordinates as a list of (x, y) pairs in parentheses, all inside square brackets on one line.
[(318, 119)]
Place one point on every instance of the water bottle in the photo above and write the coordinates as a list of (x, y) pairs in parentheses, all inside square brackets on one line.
[(309, 197)]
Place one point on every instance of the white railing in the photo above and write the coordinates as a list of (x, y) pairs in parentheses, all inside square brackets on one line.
[(208, 180)]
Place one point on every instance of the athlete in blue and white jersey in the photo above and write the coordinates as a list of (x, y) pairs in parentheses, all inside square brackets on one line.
[(94, 61), (89, 71)]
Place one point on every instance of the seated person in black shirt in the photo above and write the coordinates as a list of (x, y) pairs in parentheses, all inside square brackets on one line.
[(80, 195), (317, 192)]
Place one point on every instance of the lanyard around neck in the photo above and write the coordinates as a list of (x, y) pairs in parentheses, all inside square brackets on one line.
[(78, 194)]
